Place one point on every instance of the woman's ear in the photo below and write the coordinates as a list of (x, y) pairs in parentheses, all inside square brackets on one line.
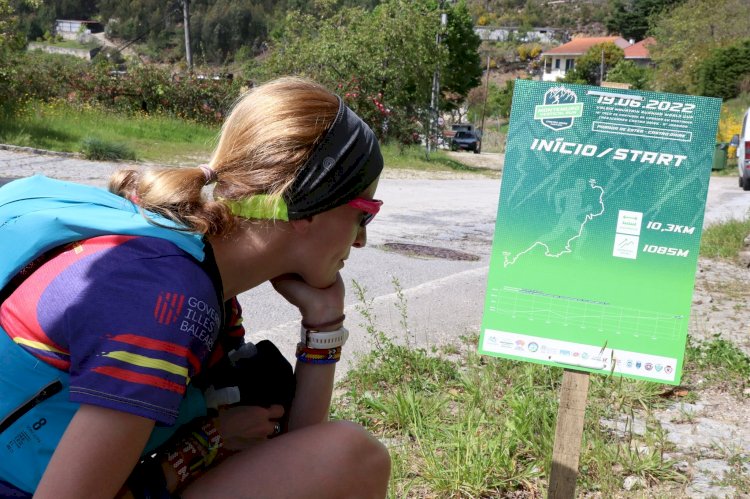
[(301, 226)]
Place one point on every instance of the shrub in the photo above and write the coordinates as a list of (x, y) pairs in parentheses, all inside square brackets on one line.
[(722, 72), (101, 150), (143, 88)]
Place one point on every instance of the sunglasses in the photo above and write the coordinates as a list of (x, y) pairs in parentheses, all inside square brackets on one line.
[(371, 207)]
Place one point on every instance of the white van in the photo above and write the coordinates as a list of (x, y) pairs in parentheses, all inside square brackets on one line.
[(742, 143)]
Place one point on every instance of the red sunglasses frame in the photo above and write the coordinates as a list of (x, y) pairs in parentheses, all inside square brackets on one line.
[(371, 207)]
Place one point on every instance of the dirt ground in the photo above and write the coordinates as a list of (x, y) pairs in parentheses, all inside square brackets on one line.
[(489, 160)]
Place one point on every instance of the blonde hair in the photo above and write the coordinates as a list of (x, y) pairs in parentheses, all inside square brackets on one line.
[(264, 142)]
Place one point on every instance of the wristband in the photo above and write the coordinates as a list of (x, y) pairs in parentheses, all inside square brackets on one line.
[(318, 356), (323, 340), (211, 440)]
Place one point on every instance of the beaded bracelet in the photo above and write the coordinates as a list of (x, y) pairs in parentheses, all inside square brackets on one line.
[(196, 451), (210, 439), (318, 356)]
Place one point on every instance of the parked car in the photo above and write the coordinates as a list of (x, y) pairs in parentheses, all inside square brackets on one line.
[(742, 143), (462, 127), (467, 141)]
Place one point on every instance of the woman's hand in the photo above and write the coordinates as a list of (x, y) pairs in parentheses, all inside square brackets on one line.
[(245, 425), (317, 305)]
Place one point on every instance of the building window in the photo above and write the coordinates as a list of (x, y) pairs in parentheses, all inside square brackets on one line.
[(569, 64), (557, 63)]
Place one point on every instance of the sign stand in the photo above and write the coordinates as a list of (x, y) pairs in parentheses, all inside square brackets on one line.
[(568, 433)]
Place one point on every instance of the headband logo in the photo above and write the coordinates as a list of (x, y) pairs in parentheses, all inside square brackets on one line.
[(328, 162)]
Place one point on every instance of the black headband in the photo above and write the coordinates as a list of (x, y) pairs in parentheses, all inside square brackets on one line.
[(341, 166)]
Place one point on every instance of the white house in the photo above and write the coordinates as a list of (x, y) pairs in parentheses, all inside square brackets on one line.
[(561, 59)]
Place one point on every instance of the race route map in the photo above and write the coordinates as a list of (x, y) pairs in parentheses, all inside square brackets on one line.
[(570, 208)]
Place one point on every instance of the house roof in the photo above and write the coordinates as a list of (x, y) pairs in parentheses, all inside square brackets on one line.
[(579, 46), (639, 50)]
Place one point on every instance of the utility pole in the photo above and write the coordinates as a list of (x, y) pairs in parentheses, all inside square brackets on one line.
[(186, 25), (435, 94), (601, 69), (486, 92)]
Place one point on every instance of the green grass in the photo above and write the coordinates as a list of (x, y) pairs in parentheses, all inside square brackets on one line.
[(737, 106), (725, 239), (459, 424), (59, 126), (717, 362), (100, 150), (162, 139), (72, 44), (415, 158)]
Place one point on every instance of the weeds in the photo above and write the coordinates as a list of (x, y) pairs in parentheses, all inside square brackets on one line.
[(460, 424), (719, 362), (724, 240), (102, 150)]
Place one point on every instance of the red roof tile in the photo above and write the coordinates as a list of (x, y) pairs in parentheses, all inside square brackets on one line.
[(579, 46), (639, 50)]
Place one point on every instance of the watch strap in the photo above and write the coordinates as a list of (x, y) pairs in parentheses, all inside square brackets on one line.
[(323, 340)]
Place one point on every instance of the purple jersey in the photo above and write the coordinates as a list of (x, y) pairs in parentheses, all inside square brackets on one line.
[(132, 319)]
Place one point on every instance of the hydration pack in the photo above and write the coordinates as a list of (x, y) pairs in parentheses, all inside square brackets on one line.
[(38, 214)]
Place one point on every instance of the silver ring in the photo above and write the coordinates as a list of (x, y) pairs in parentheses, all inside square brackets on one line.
[(277, 428)]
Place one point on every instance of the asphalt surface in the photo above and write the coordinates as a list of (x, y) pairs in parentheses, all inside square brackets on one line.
[(445, 226)]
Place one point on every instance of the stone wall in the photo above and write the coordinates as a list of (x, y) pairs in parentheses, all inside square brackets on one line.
[(87, 54)]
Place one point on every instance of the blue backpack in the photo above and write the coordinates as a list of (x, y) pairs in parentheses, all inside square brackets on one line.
[(38, 214)]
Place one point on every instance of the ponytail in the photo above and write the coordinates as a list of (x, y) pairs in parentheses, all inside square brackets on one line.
[(175, 193)]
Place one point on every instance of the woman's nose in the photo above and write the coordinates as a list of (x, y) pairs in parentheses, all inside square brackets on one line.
[(361, 240)]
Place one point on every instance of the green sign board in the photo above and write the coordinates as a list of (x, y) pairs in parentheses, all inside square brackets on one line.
[(598, 228)]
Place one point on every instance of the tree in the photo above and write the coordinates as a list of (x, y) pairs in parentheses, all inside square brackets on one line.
[(10, 34), (639, 77), (7, 21), (380, 61), (721, 73), (630, 18), (218, 28), (499, 101), (11, 39), (463, 67), (687, 34), (588, 68)]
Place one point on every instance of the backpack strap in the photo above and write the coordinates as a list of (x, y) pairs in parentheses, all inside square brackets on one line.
[(38, 214)]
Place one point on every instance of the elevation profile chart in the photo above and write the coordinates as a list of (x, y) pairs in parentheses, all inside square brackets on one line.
[(598, 228)]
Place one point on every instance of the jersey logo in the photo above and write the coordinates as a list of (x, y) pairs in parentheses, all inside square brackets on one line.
[(168, 307)]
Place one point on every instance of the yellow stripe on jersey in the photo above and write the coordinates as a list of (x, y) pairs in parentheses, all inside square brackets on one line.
[(38, 345), (143, 361)]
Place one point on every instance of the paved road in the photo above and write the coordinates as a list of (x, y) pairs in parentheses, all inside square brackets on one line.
[(445, 297)]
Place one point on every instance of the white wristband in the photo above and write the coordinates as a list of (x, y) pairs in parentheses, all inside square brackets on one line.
[(323, 340)]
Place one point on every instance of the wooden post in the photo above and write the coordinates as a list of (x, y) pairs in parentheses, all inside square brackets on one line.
[(568, 433)]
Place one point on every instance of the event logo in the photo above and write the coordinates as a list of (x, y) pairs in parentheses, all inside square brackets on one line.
[(560, 108), (533, 347), (649, 366)]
